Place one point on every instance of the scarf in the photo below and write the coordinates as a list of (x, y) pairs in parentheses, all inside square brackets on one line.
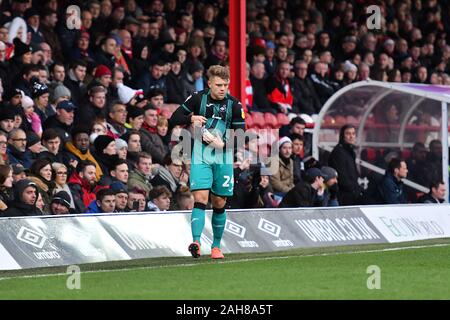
[(87, 156)]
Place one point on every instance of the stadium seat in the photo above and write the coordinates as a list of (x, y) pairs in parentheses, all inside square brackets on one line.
[(271, 121), (406, 153), (258, 120), (249, 121), (369, 155), (282, 119)]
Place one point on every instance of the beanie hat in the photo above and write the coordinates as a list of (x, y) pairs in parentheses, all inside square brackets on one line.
[(134, 112), (126, 93), (101, 142), (120, 143), (61, 91), (20, 48), (102, 70), (39, 89), (195, 66), (283, 141), (328, 173), (118, 187), (32, 138), (63, 198), (27, 102), (7, 113)]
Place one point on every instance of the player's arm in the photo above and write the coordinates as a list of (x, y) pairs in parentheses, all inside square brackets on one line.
[(186, 112), (238, 116)]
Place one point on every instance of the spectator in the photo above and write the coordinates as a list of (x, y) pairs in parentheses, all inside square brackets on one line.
[(16, 151), (330, 197), (6, 184), (7, 117), (105, 152), (150, 141), (3, 148), (298, 153), (418, 168), (153, 78), (136, 200), (24, 203), (19, 172), (140, 177), (184, 200), (169, 175), (105, 202), (307, 193), (324, 88), (160, 198), (305, 96), (78, 150), (41, 174), (75, 81), (391, 187), (121, 194), (61, 178), (117, 119), (122, 149), (283, 179), (87, 114), (82, 185), (62, 121), (436, 194), (342, 159), (257, 79), (60, 203), (175, 89), (279, 89)]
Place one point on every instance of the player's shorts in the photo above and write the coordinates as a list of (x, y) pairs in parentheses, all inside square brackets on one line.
[(212, 170)]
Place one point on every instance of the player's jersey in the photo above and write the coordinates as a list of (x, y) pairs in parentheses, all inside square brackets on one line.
[(228, 111)]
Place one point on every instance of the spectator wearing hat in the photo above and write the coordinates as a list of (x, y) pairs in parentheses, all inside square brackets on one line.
[(307, 193), (78, 150), (41, 174), (25, 198), (330, 179), (102, 77), (135, 117), (347, 49), (74, 81), (61, 181), (105, 152), (62, 121), (33, 144), (41, 101), (59, 93), (17, 151), (21, 58), (19, 172), (60, 203), (189, 79), (282, 180), (130, 96), (122, 148), (7, 117), (32, 18), (30, 119), (121, 193)]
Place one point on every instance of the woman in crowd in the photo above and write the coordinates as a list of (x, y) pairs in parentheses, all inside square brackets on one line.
[(6, 183), (41, 174), (61, 172)]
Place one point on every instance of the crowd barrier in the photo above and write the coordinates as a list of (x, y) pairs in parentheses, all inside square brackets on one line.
[(30, 242)]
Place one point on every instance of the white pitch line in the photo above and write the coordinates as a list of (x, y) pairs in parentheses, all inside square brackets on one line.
[(231, 261)]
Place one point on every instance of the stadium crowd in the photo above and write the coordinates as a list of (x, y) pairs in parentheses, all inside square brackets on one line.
[(86, 103)]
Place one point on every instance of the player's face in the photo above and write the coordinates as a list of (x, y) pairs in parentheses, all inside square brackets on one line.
[(219, 87)]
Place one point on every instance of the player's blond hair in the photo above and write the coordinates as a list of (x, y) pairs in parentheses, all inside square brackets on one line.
[(219, 71)]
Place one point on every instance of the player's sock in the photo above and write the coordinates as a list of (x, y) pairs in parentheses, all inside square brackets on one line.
[(198, 220), (219, 218)]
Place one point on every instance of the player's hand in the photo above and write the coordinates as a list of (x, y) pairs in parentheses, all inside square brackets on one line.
[(213, 140), (198, 120)]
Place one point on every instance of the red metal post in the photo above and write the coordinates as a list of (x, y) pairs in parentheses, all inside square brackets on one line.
[(237, 49)]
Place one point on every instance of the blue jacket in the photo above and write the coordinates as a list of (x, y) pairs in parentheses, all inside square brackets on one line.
[(391, 190)]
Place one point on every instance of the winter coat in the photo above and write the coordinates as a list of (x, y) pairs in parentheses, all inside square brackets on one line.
[(17, 208), (137, 179), (391, 190), (283, 179), (83, 194), (302, 195)]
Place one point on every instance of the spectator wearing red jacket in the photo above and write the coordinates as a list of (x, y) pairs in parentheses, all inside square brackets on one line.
[(279, 89), (82, 184)]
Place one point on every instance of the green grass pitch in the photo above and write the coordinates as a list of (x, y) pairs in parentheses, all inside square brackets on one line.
[(415, 270)]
